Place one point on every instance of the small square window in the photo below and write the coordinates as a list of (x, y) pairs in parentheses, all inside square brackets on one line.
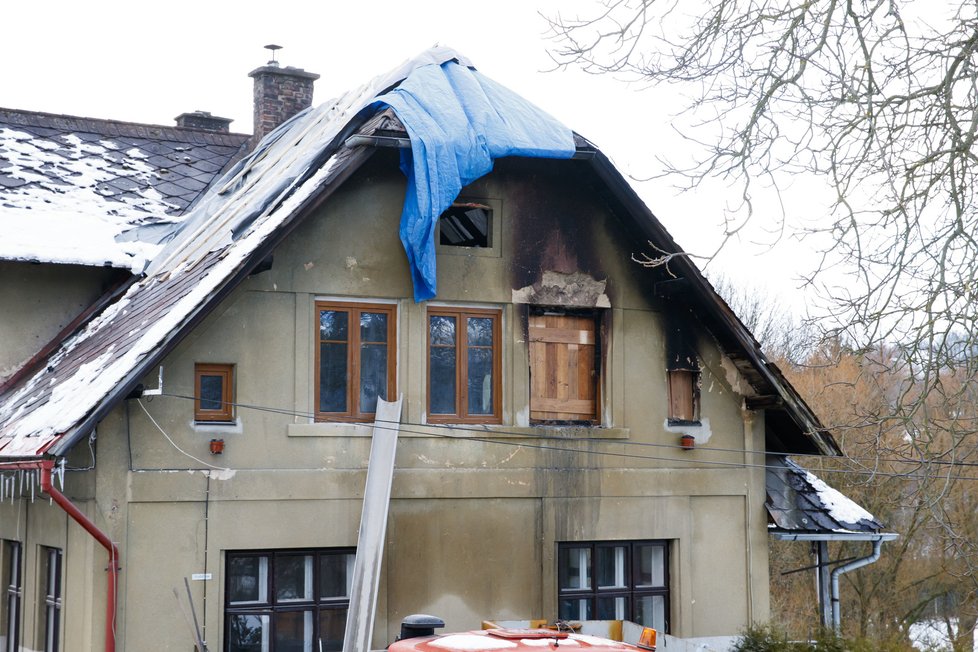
[(466, 224), (213, 392)]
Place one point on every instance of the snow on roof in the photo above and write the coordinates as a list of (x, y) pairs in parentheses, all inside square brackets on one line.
[(237, 216), (839, 506), (799, 501), (97, 192)]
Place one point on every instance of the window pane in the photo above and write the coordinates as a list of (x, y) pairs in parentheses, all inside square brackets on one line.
[(373, 327), (332, 623), (611, 569), (650, 611), (612, 608), (293, 578), (574, 568), (335, 575), (247, 579), (333, 325), (575, 609), (248, 633), (373, 375), (651, 565), (442, 329), (211, 392), (442, 370), (293, 631), (480, 331), (480, 381), (332, 377)]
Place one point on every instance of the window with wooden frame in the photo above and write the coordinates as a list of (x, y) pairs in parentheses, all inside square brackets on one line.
[(356, 357), (213, 392), (464, 363), (11, 583), (287, 599), (614, 580), (564, 367)]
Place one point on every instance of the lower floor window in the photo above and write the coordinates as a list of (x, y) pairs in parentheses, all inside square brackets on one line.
[(285, 600), (11, 596), (49, 599), (614, 580)]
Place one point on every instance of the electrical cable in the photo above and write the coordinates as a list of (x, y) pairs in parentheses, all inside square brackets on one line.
[(431, 430), (173, 443)]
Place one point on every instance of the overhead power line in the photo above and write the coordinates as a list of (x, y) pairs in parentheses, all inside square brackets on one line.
[(491, 437)]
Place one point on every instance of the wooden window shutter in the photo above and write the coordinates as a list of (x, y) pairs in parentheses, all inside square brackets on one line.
[(563, 368), (682, 395)]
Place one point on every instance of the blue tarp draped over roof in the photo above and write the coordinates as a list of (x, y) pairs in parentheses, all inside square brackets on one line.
[(459, 121)]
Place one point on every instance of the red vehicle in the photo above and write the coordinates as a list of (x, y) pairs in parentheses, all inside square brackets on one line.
[(418, 635)]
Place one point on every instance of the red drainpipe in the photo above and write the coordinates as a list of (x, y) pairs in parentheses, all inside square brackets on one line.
[(46, 467)]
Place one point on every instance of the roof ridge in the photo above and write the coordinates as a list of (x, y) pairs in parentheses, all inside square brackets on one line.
[(112, 127)]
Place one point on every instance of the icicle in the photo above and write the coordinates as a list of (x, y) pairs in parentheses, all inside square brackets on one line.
[(32, 487), (61, 474)]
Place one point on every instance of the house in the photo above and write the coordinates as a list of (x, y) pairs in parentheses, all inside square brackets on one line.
[(190, 378)]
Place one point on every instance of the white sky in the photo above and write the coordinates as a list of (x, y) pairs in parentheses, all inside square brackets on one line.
[(151, 61)]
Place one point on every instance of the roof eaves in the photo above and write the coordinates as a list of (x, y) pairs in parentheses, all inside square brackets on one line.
[(806, 420)]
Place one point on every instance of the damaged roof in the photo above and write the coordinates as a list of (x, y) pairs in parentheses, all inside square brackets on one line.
[(236, 224), (799, 502), (100, 192)]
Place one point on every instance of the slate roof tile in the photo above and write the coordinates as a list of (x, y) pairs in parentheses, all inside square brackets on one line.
[(89, 167)]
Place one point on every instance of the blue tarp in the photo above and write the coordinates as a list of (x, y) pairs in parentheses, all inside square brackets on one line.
[(459, 121)]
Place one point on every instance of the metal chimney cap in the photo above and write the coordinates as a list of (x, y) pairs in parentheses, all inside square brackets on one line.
[(273, 48)]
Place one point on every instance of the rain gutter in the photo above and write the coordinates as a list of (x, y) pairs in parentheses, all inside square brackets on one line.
[(845, 568), (46, 467)]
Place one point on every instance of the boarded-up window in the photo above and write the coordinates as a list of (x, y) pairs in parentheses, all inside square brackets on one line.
[(684, 395), (563, 368)]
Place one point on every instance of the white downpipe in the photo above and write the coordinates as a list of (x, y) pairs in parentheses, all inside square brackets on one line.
[(845, 568)]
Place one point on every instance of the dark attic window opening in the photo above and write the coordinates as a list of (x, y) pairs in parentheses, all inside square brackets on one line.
[(466, 224)]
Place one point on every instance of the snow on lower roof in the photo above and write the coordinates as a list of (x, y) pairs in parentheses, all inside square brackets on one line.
[(799, 501), (96, 192)]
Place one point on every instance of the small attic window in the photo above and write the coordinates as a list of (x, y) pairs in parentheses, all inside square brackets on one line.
[(466, 224), (213, 392)]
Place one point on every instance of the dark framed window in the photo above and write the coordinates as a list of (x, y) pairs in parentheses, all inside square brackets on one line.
[(287, 599), (614, 580), (564, 367), (12, 583), (213, 392), (684, 396), (466, 224), (49, 599), (355, 359), (464, 363)]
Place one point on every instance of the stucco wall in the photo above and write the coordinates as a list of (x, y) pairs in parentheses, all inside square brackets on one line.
[(474, 521), (38, 301)]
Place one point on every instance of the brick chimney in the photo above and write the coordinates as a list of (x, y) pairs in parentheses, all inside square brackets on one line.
[(203, 120), (280, 93)]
